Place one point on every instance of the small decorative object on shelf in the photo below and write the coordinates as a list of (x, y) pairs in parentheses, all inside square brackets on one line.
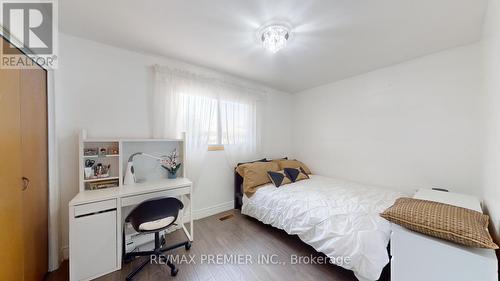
[(102, 171), (90, 151), (113, 151), (103, 151), (103, 184), (171, 164), (98, 171), (89, 168)]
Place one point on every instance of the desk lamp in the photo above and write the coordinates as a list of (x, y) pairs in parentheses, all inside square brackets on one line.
[(129, 172)]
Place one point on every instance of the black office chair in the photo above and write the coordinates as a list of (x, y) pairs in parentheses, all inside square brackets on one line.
[(153, 216)]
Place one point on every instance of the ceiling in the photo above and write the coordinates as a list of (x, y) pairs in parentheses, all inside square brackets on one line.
[(332, 39)]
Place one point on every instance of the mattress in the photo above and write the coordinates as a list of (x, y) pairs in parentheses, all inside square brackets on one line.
[(338, 218)]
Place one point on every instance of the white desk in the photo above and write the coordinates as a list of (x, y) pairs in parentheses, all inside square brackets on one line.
[(95, 223)]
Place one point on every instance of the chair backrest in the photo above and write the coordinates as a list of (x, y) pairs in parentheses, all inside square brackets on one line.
[(154, 209)]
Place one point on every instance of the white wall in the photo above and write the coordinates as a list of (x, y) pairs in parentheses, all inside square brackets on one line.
[(416, 124), (108, 91), (491, 44)]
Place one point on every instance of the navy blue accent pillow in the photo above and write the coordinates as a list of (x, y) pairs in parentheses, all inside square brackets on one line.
[(278, 178), (296, 174)]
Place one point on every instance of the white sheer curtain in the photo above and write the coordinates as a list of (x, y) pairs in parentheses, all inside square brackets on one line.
[(206, 109), (183, 104), (238, 114)]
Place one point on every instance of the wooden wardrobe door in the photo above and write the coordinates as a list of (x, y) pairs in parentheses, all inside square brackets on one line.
[(34, 146), (11, 212)]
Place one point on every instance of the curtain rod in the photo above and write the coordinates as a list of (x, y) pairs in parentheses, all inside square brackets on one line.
[(210, 78)]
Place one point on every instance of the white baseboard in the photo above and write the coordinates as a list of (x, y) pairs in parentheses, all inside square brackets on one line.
[(206, 212), (198, 214)]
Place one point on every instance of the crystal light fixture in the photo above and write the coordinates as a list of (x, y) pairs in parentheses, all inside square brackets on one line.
[(274, 37)]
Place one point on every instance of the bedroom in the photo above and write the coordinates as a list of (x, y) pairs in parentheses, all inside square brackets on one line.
[(389, 95)]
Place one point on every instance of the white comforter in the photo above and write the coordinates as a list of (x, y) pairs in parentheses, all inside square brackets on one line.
[(338, 218)]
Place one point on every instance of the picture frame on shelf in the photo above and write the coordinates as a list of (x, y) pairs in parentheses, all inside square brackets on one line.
[(90, 152)]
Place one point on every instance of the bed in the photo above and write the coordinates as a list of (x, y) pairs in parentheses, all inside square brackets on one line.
[(338, 218)]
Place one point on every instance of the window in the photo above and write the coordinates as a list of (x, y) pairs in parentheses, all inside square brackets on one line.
[(229, 122), (210, 110), (214, 134), (237, 122)]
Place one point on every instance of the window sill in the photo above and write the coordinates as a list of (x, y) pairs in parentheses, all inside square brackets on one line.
[(215, 147)]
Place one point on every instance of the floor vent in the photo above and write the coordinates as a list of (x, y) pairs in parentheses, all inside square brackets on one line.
[(226, 217)]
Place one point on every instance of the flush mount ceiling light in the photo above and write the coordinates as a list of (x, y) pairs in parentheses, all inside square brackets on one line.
[(274, 37)]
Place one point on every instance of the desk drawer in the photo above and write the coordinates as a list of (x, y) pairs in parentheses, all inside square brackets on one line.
[(137, 199), (93, 246), (96, 207)]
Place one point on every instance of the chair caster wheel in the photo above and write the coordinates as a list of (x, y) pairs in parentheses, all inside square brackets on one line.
[(174, 271), (187, 246)]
